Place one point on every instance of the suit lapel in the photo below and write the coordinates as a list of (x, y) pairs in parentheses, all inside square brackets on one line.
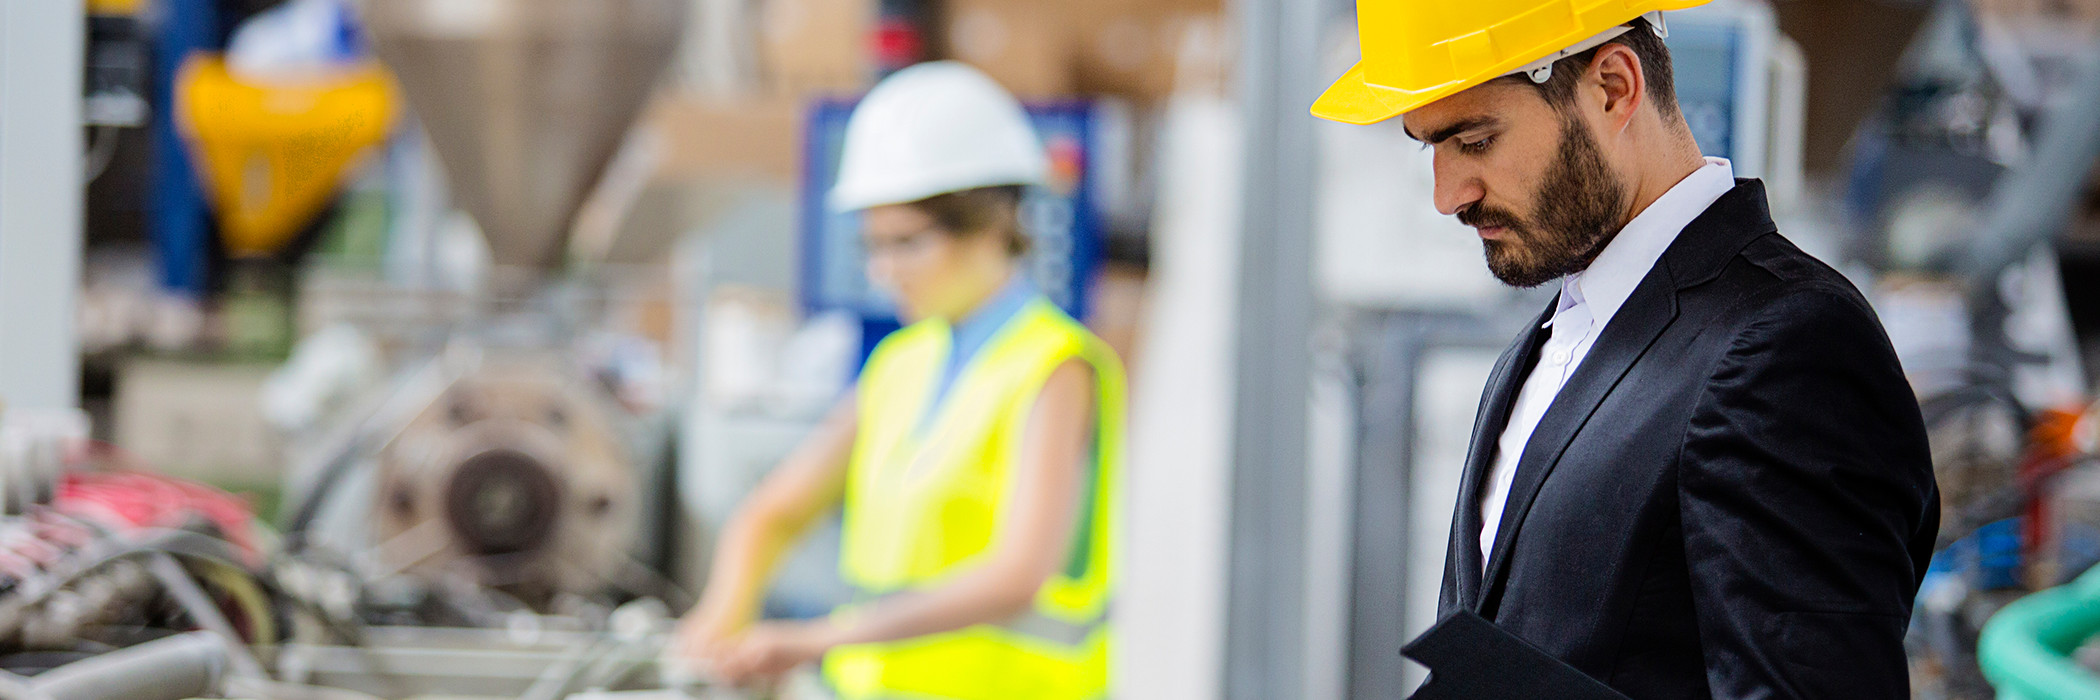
[(1701, 250), (1627, 337), (1510, 371)]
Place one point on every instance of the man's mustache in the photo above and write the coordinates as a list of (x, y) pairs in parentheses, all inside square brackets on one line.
[(1480, 216)]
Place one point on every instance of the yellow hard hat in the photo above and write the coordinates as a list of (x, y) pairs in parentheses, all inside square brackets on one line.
[(1419, 51)]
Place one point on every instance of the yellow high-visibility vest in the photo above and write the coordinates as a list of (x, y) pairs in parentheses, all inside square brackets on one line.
[(925, 498)]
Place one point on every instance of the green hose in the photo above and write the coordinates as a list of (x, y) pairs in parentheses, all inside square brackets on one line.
[(2026, 648)]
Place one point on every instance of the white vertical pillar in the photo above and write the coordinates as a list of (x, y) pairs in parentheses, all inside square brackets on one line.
[(41, 200), (1171, 607)]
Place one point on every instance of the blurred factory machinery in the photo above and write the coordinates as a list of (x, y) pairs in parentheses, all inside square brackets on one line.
[(482, 518), (497, 460)]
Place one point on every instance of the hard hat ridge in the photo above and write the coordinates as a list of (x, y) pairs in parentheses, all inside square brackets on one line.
[(1541, 70)]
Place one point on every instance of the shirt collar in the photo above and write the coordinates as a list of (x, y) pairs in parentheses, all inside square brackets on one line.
[(972, 331), (1610, 279), (1570, 297)]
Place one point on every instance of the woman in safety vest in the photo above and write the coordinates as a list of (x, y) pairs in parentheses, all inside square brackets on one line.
[(976, 458)]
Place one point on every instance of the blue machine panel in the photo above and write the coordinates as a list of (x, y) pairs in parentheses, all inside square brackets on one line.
[(181, 223), (1706, 62)]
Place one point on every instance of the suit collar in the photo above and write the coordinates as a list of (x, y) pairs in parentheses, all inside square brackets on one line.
[(1698, 255), (1717, 235)]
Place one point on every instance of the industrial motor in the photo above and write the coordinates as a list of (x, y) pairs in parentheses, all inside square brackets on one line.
[(514, 478)]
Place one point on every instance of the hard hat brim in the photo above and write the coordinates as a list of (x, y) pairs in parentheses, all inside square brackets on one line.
[(868, 193), (1355, 100), (1352, 100)]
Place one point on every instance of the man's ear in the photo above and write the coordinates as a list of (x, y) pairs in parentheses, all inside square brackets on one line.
[(1618, 83)]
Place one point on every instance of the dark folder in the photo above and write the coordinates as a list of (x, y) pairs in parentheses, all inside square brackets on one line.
[(1469, 657)]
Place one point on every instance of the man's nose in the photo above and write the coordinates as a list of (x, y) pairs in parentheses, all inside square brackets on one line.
[(1456, 187)]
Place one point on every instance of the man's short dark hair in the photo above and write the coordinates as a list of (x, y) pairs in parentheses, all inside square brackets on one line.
[(1559, 90)]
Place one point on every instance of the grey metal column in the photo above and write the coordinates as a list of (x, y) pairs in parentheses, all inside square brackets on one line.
[(1278, 81), (41, 200)]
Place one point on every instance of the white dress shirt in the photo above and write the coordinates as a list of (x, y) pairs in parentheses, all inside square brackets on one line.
[(1588, 300)]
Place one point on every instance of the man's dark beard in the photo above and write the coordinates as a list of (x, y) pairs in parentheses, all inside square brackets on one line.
[(1578, 208)]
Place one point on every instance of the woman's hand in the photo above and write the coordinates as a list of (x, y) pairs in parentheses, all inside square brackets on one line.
[(792, 498), (704, 637), (774, 648)]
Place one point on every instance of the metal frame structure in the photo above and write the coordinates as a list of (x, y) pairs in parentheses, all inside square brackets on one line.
[(1391, 353), (42, 203)]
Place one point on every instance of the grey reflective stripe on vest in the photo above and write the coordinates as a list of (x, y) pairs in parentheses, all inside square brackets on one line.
[(1053, 630), (1028, 624)]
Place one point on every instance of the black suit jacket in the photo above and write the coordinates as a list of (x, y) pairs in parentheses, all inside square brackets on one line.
[(1730, 498)]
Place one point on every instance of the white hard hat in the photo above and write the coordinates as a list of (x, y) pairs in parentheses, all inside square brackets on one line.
[(932, 129)]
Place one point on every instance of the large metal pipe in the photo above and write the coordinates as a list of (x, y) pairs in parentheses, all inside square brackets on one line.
[(183, 666)]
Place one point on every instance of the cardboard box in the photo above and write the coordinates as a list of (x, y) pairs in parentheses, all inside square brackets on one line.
[(2040, 12), (1123, 48), (1038, 49), (703, 137), (1026, 46), (1130, 49), (811, 47), (197, 421)]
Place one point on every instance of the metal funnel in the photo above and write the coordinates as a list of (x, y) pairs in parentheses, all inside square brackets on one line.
[(525, 101)]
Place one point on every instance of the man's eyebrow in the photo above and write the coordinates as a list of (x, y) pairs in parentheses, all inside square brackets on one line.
[(1455, 128)]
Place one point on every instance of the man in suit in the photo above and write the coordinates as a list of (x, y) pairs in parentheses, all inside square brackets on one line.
[(1700, 473)]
